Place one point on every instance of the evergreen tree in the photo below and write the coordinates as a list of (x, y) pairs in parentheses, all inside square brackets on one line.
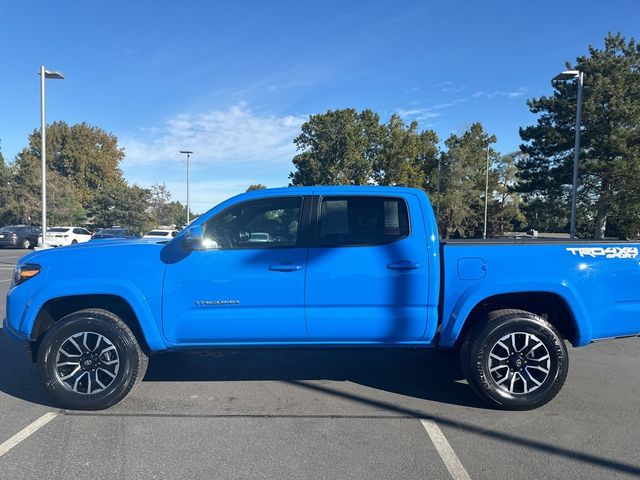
[(609, 192)]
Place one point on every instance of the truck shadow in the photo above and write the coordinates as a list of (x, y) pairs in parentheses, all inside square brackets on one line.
[(18, 374), (422, 374)]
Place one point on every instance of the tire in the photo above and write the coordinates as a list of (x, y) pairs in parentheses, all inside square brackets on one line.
[(529, 364), (26, 244), (74, 242), (102, 378)]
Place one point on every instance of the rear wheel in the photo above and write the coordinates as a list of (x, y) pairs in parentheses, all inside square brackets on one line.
[(90, 360), (515, 360)]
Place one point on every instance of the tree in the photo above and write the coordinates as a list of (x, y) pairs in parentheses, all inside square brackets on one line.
[(406, 156), (124, 205), (346, 147), (7, 202), (337, 148), (505, 213), (608, 196), (86, 155), (163, 211), (463, 172), (63, 204), (256, 186)]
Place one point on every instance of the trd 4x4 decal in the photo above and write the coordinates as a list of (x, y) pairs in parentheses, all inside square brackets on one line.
[(607, 252)]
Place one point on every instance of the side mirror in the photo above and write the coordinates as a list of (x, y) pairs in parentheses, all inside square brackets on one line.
[(194, 236)]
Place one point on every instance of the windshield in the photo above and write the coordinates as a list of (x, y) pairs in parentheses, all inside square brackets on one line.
[(158, 233)]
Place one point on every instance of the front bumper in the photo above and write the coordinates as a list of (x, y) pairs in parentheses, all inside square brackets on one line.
[(11, 333)]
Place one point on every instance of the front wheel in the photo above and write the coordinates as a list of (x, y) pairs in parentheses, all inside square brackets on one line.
[(515, 360), (90, 360), (26, 244)]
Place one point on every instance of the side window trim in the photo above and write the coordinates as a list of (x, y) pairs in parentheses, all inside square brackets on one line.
[(317, 208)]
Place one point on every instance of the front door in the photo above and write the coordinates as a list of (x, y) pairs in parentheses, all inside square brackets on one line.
[(246, 284), (367, 278)]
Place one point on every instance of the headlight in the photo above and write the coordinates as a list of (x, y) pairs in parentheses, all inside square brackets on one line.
[(22, 273)]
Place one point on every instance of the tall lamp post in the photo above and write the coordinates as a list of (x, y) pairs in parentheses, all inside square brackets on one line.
[(486, 194), (44, 74), (570, 75), (188, 153)]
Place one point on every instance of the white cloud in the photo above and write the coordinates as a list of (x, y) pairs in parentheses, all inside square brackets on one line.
[(233, 148), (502, 93), (427, 113), (417, 113), (218, 137)]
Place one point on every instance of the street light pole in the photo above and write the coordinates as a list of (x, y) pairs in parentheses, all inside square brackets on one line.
[(486, 194), (570, 75), (576, 157), (188, 152), (44, 74)]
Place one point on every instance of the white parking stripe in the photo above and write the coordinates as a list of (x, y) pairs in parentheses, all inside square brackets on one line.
[(7, 280), (25, 432), (449, 457)]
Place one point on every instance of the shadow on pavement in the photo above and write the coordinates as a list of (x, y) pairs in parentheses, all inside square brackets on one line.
[(18, 374), (423, 374)]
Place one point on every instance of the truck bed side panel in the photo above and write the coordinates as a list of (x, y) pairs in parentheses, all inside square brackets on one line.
[(599, 283)]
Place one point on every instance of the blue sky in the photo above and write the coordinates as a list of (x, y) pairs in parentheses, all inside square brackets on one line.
[(233, 81)]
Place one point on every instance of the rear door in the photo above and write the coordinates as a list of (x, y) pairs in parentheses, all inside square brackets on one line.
[(81, 235), (367, 275)]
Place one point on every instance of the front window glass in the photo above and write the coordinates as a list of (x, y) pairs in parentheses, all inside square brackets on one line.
[(265, 223)]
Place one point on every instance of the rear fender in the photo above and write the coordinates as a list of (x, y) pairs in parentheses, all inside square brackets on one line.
[(456, 318)]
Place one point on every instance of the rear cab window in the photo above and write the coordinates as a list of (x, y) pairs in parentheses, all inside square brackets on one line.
[(362, 220)]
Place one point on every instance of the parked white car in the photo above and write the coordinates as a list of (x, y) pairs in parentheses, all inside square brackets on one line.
[(61, 236), (159, 233)]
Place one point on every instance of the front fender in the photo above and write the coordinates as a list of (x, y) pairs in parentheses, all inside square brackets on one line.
[(128, 291), (455, 319)]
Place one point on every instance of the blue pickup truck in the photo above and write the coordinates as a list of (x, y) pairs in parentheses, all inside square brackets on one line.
[(314, 267)]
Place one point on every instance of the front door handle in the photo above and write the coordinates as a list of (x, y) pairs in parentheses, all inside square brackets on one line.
[(285, 267), (403, 265)]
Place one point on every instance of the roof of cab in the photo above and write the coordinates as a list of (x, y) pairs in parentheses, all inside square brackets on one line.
[(331, 189)]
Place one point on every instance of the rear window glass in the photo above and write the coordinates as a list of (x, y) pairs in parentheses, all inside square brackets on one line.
[(362, 221), (57, 230), (158, 233)]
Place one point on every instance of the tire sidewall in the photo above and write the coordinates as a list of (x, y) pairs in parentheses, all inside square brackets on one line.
[(53, 340), (481, 348)]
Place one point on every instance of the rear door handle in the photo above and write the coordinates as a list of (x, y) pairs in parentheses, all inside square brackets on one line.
[(403, 265), (285, 267)]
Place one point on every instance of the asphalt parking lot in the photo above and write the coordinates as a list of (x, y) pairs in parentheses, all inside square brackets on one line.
[(321, 414)]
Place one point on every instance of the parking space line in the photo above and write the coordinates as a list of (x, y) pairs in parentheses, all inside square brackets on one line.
[(449, 457), (26, 432), (7, 280)]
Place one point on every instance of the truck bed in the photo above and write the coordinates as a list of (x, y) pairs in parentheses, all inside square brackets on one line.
[(597, 281)]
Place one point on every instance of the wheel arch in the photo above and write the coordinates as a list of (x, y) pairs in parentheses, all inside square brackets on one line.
[(549, 306), (57, 307), (556, 303)]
